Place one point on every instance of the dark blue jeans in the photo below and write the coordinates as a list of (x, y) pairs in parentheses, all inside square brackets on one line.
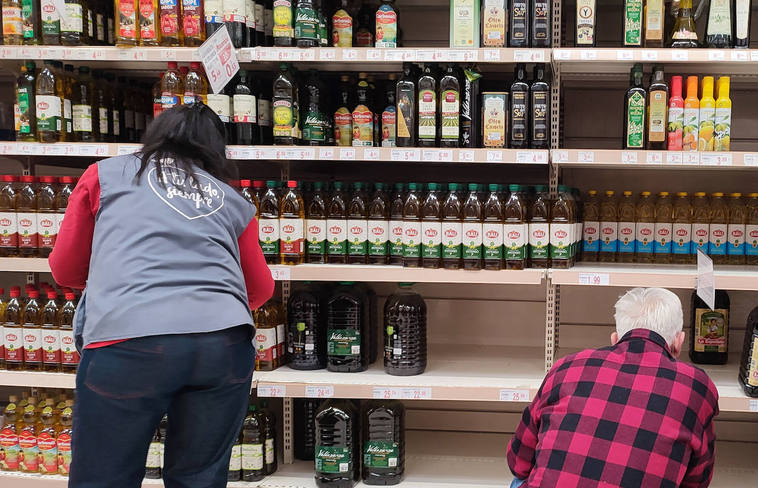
[(122, 391)]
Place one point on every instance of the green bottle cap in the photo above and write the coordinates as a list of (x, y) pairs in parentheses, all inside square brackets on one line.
[(452, 186), (271, 184), (357, 185), (473, 187), (432, 186), (493, 187), (540, 188), (318, 185), (379, 186), (412, 186), (337, 185), (399, 186), (514, 187)]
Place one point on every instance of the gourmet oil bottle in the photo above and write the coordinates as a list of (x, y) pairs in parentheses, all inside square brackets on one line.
[(709, 343), (337, 452), (383, 443)]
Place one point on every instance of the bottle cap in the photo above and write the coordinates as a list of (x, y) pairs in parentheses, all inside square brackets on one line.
[(609, 193), (258, 184), (718, 194), (47, 179), (173, 65), (493, 187), (540, 188), (271, 184), (33, 294), (699, 194), (432, 186), (70, 296), (412, 186), (195, 65), (9, 178), (52, 295), (245, 183), (627, 193), (663, 194), (292, 184), (15, 293), (592, 193), (66, 180), (514, 188), (452, 186), (752, 195), (357, 185), (337, 185), (27, 179), (736, 195), (473, 187), (318, 185), (379, 186), (681, 194)]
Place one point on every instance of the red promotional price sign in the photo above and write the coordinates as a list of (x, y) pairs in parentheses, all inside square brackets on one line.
[(219, 59)]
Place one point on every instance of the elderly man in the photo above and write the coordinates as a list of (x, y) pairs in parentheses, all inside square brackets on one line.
[(629, 415)]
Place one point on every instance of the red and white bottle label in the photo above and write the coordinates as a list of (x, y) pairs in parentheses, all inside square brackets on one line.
[(51, 346), (265, 344), (69, 354), (291, 236), (47, 229), (27, 230), (14, 345), (8, 229), (32, 345)]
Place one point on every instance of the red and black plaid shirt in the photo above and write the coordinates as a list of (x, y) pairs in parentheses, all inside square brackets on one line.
[(628, 416)]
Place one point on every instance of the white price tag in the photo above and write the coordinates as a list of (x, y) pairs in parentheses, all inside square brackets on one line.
[(560, 156), (522, 55), (466, 156), (716, 55), (54, 150), (127, 149), (429, 155), (691, 157), (674, 157), (272, 391), (347, 154), (405, 55), (28, 52), (6, 52), (349, 54), (427, 55), (246, 153), (374, 54), (405, 155), (751, 159), (514, 395), (326, 154), (38, 149), (417, 393), (706, 288), (219, 59), (268, 153), (598, 279), (52, 52), (387, 393), (327, 54), (445, 155), (24, 148), (491, 55), (709, 159), (93, 150), (538, 56), (305, 154), (654, 157), (494, 156), (6, 148), (322, 391), (72, 150), (531, 157), (754, 405), (561, 54), (587, 54), (232, 152), (306, 55), (280, 273), (625, 55), (168, 55), (739, 55), (586, 156), (629, 157), (454, 55), (679, 55), (649, 55), (724, 159), (371, 154)]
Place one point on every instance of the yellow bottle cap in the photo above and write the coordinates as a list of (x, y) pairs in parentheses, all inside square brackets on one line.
[(609, 193), (627, 193), (592, 192), (718, 194), (736, 195), (645, 193), (700, 194), (663, 194), (753, 195)]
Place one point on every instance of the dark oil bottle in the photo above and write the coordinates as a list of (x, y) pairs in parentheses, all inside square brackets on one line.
[(337, 445), (315, 124), (82, 107), (406, 108), (336, 226), (709, 337), (519, 23), (378, 226), (384, 443), (749, 364), (357, 226), (153, 461), (234, 20), (472, 229), (348, 338), (270, 462), (450, 108), (405, 347), (635, 103), (263, 92), (364, 32), (428, 109), (245, 110), (304, 416), (540, 105), (492, 230), (235, 460), (657, 111), (396, 225), (306, 24), (541, 23), (315, 232), (470, 112), (253, 441), (412, 227), (284, 107), (519, 111), (306, 329), (452, 228)]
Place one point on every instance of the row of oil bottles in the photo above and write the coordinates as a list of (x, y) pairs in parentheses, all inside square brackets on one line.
[(36, 331), (463, 227), (31, 213), (36, 433), (670, 229), (337, 327)]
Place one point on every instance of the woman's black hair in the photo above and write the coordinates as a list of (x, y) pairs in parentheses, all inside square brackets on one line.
[(191, 136)]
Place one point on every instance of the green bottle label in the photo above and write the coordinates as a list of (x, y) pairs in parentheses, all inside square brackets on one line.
[(51, 23), (635, 123), (313, 129), (633, 23), (306, 24), (24, 125), (381, 454), (332, 460), (344, 342), (27, 16)]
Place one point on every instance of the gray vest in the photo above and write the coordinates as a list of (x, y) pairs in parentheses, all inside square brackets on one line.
[(165, 258)]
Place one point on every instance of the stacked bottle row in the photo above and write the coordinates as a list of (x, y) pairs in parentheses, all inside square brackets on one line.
[(655, 120), (520, 23), (55, 104), (450, 229), (271, 345), (349, 440), (36, 331), (653, 23), (426, 107), (36, 434), (80, 22), (31, 213), (670, 229)]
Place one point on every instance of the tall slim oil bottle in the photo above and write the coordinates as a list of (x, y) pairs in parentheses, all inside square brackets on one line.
[(452, 228), (723, 117), (709, 335), (291, 220), (609, 223), (336, 226), (316, 225), (428, 109), (472, 229), (8, 217), (681, 232), (718, 235), (9, 434), (735, 247), (706, 134), (26, 211), (658, 96), (267, 351), (561, 233), (357, 226), (69, 353), (412, 227), (25, 105), (149, 21), (27, 438), (406, 97), (664, 214), (655, 15), (431, 228), (253, 443), (634, 112), (82, 107), (701, 219), (691, 116), (363, 117), (450, 107), (626, 228), (378, 226), (193, 12), (268, 224), (343, 116), (518, 124), (170, 22), (127, 28), (284, 106), (539, 229), (675, 127), (13, 332), (195, 85)]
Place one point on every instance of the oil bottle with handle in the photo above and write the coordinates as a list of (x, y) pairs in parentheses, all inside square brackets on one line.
[(383, 443), (709, 337), (337, 452)]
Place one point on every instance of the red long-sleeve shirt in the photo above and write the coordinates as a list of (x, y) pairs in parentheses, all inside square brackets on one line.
[(69, 261)]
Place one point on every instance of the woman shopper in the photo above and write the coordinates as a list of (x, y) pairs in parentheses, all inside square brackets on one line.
[(169, 255)]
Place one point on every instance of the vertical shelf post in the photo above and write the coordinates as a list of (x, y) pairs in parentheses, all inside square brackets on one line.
[(287, 433), (552, 313)]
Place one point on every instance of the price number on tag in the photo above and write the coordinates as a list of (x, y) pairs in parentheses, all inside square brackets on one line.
[(754, 405), (405, 155), (751, 159), (417, 393), (127, 149), (679, 55), (494, 156), (654, 158), (466, 156), (387, 393), (716, 55), (326, 154), (272, 391), (281, 273), (347, 154), (586, 156), (649, 55), (322, 391), (371, 154), (674, 157), (625, 55), (514, 395), (629, 157), (491, 55), (349, 54), (598, 279), (326, 54)]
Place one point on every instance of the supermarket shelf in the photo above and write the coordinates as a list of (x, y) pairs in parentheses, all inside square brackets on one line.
[(24, 265), (590, 158), (99, 53), (37, 379), (480, 373), (669, 276)]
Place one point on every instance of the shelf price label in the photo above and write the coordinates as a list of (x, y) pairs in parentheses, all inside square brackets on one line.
[(281, 273), (319, 391), (739, 55), (597, 279), (326, 153), (562, 54), (466, 156), (374, 54), (272, 391), (492, 55), (587, 54), (560, 156), (416, 393), (654, 157), (514, 395), (679, 55), (716, 55), (751, 159), (327, 54), (347, 154), (127, 149), (219, 59), (429, 155), (753, 405), (691, 157), (529, 56), (93, 150), (445, 155), (405, 155), (674, 157), (531, 157), (371, 154), (586, 156), (629, 157), (624, 55), (649, 55), (494, 156), (54, 150), (349, 54), (387, 393)]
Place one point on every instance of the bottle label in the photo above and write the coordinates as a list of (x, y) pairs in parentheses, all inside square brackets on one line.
[(291, 236), (64, 453), (69, 354), (8, 230), (451, 110), (102, 117), (627, 237), (380, 454), (29, 459), (82, 115), (742, 18), (68, 116), (675, 128), (711, 330), (47, 229), (191, 15), (250, 14), (706, 141), (405, 122), (514, 241), (259, 14), (336, 232), (282, 18), (22, 108), (560, 240), (343, 127), (691, 129), (48, 453), (609, 236), (13, 24), (431, 232), (265, 344), (316, 236), (657, 125), (492, 240), (343, 342), (539, 240), (153, 460), (333, 460), (452, 233), (662, 238), (213, 10), (148, 25), (221, 105), (427, 114), (518, 116), (252, 457), (633, 23), (681, 239), (314, 127), (245, 108), (718, 237), (32, 345), (378, 236), (386, 27), (10, 448), (14, 344), (27, 16), (306, 23), (357, 232), (585, 22), (736, 244), (27, 230), (284, 118), (235, 460), (751, 240), (700, 237), (719, 18), (100, 21), (51, 19), (518, 21), (412, 238), (493, 23), (396, 238), (752, 363), (539, 117), (268, 236), (635, 121), (168, 100), (723, 129), (590, 236), (234, 11), (472, 240), (342, 29), (389, 127), (270, 456), (264, 113), (72, 21), (268, 16), (541, 22), (493, 130), (116, 123), (363, 126), (51, 346)]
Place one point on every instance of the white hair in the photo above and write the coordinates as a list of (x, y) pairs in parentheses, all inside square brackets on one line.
[(655, 309)]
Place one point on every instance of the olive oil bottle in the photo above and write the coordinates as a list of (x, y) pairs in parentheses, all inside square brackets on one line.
[(405, 96), (718, 33), (540, 105), (657, 110), (634, 111), (519, 118), (428, 109), (684, 33)]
